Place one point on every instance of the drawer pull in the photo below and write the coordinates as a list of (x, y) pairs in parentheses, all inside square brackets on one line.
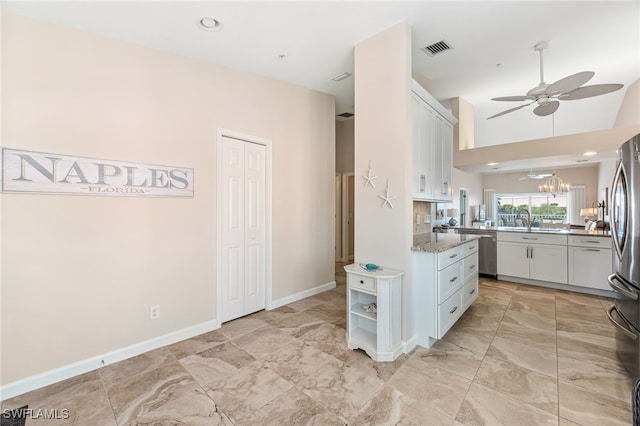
[(472, 266), (361, 282), (453, 255), (592, 242), (472, 291), (593, 250), (529, 238), (453, 279), (455, 308)]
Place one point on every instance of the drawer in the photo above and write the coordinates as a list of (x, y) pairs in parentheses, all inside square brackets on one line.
[(449, 257), (449, 312), (469, 292), (450, 279), (532, 238), (360, 282), (470, 265), (587, 241), (470, 248)]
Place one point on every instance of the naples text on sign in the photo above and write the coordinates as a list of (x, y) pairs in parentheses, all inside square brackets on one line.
[(38, 172)]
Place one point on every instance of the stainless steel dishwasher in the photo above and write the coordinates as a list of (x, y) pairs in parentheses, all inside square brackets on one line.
[(487, 249)]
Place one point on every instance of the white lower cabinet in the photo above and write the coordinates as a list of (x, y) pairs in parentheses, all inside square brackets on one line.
[(378, 332), (445, 284), (533, 256), (590, 261)]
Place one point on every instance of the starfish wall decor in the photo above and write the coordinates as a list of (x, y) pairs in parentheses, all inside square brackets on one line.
[(368, 179), (387, 197)]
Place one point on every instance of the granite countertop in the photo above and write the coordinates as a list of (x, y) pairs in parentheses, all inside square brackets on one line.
[(437, 242), (555, 231)]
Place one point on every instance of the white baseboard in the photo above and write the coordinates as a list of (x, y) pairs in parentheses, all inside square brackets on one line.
[(65, 372), (301, 295), (410, 344)]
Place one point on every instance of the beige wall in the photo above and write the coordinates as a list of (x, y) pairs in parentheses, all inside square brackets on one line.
[(79, 273), (383, 136), (344, 146), (629, 113)]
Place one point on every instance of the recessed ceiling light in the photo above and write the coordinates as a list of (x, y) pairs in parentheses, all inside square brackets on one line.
[(210, 24), (492, 164), (342, 76), (589, 153)]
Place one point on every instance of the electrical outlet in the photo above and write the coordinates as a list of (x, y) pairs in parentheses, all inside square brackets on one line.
[(155, 312)]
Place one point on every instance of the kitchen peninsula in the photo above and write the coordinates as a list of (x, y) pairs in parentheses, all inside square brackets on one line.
[(445, 277)]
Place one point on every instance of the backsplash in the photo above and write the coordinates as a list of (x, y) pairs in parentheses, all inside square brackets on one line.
[(422, 216), (422, 212)]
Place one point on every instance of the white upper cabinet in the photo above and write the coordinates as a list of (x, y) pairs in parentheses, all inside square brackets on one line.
[(422, 149), (432, 147)]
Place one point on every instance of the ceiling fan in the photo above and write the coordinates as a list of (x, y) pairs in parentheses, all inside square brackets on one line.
[(532, 175), (566, 89)]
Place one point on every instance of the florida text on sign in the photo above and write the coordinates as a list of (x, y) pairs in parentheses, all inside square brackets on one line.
[(37, 172)]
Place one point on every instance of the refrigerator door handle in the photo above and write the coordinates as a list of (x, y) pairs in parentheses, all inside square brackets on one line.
[(621, 287), (619, 326)]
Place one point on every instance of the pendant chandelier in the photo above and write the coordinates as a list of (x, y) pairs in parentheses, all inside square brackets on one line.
[(554, 185)]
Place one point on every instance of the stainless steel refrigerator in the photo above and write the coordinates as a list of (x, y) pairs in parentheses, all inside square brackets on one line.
[(625, 232)]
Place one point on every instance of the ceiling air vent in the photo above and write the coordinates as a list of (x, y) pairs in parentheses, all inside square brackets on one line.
[(436, 48), (345, 115)]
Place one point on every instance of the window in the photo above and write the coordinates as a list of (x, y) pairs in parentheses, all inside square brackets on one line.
[(544, 209)]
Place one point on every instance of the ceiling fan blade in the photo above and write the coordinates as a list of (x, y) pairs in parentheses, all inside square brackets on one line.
[(589, 91), (546, 109), (514, 98), (570, 83), (508, 111)]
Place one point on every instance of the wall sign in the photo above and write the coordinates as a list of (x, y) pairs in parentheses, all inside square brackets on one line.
[(38, 172)]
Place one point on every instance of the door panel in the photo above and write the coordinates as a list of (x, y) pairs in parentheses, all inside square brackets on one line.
[(243, 228), (513, 259), (255, 228), (232, 229), (548, 263)]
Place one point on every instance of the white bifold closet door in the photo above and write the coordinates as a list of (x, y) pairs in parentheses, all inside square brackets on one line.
[(243, 254)]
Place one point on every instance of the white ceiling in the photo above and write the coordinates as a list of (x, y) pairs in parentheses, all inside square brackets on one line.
[(318, 39)]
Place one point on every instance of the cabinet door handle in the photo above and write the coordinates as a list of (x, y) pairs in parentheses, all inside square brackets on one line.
[(527, 252), (455, 308), (445, 188), (531, 252), (423, 183), (452, 256), (361, 282), (453, 279), (472, 291), (472, 266)]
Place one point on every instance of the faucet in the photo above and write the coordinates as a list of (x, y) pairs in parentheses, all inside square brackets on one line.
[(528, 218)]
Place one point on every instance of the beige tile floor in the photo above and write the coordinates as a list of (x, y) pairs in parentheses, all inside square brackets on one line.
[(519, 356)]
